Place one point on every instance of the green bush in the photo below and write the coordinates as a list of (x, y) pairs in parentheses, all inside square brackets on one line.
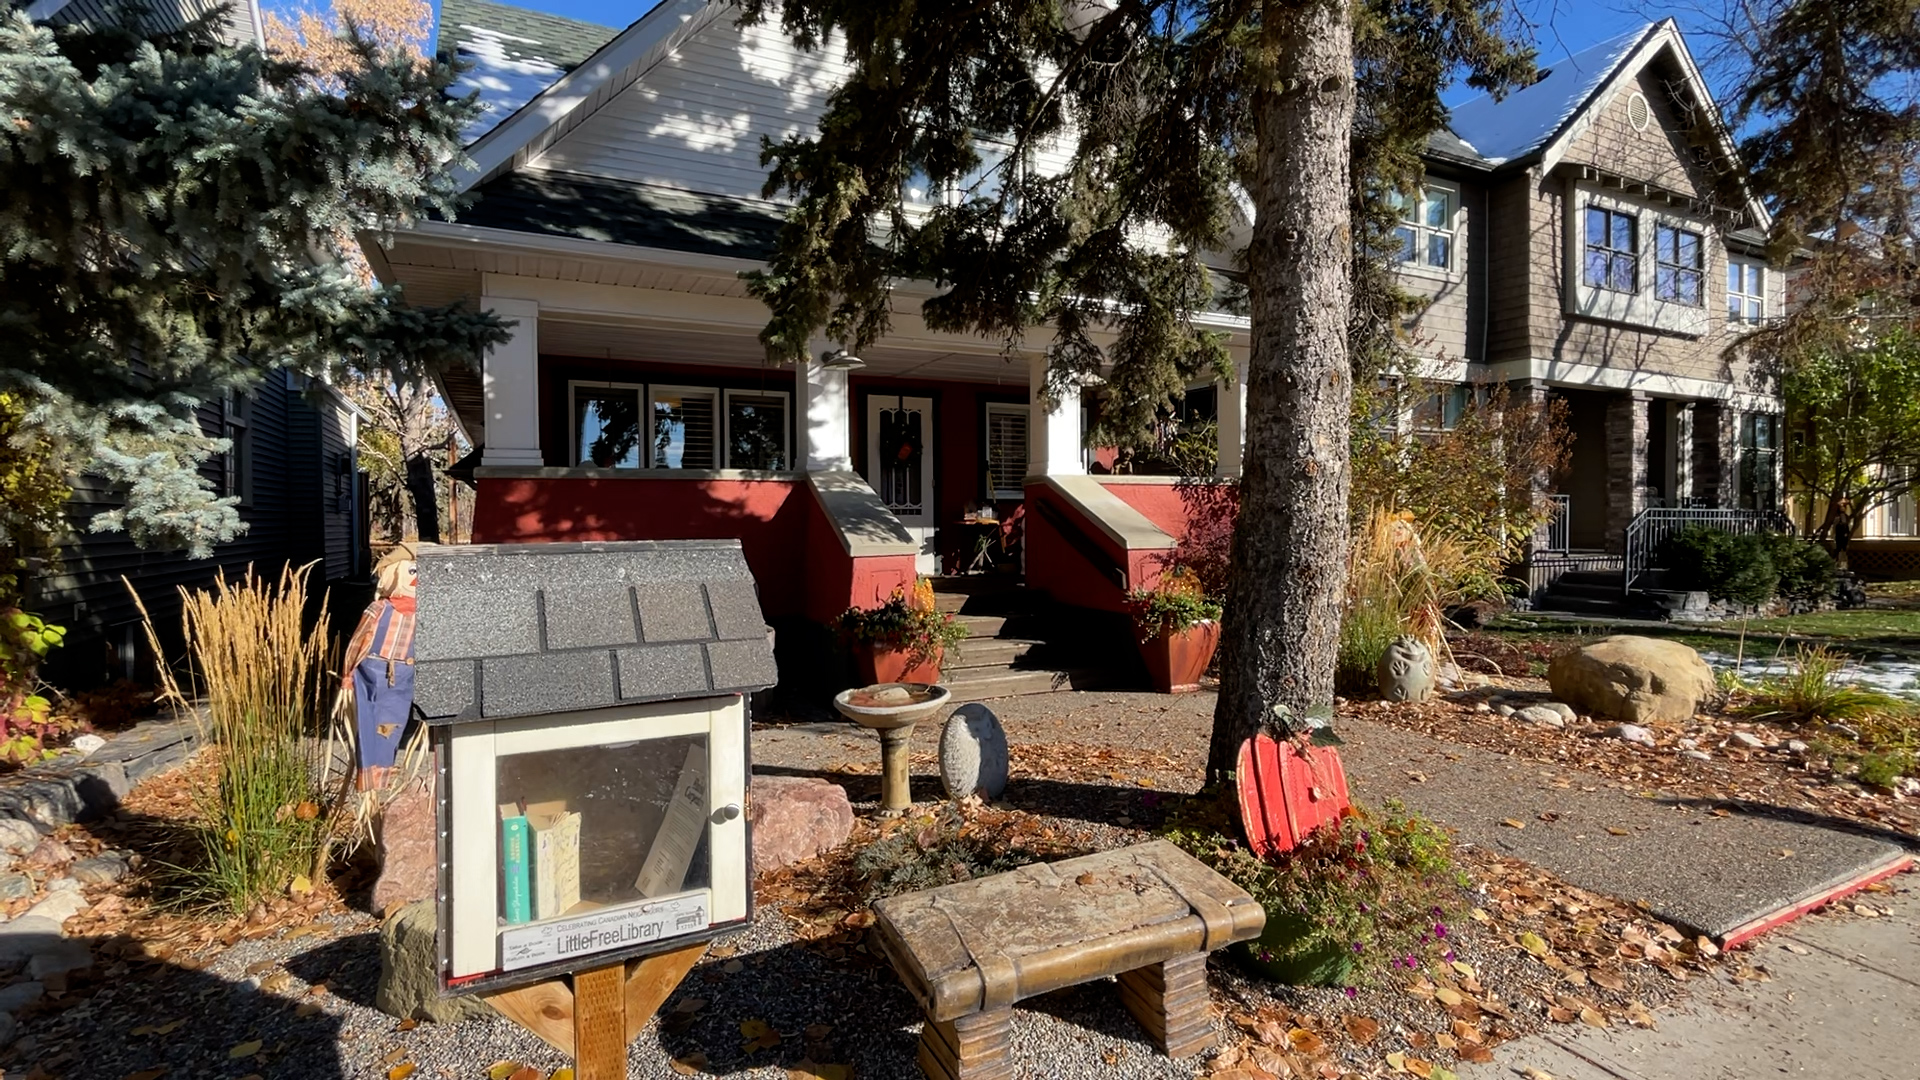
[(1725, 566), (1806, 569), (1365, 632)]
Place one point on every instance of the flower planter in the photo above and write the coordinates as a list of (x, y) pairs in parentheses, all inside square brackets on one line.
[(1278, 955), (1176, 661), (878, 664)]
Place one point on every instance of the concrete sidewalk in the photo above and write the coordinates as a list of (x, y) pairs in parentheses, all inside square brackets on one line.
[(1844, 1003)]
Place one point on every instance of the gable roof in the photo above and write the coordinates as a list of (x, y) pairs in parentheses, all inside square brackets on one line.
[(240, 24), (516, 53), (1519, 126)]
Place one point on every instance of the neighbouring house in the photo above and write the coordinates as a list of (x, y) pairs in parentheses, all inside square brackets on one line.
[(293, 465), (1569, 237)]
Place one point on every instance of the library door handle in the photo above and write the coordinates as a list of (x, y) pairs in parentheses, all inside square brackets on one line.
[(726, 813)]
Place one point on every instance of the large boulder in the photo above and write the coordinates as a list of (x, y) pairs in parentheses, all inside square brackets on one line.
[(795, 818), (409, 857), (1634, 680), (410, 971)]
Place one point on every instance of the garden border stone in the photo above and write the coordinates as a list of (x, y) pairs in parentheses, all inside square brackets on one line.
[(72, 789)]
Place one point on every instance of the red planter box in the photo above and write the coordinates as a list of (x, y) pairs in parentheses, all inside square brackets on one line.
[(879, 665), (1175, 662)]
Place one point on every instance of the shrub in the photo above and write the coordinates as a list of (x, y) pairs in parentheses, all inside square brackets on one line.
[(26, 716), (907, 624), (1721, 564), (1379, 886), (1177, 603), (939, 850), (1809, 692), (1806, 569), (263, 671)]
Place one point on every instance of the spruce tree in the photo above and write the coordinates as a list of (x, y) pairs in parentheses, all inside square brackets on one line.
[(173, 213), (1171, 116)]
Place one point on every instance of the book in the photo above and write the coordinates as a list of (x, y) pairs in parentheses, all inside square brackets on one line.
[(685, 822), (554, 841), (515, 888)]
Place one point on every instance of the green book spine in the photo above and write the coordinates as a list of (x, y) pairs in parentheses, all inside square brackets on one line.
[(516, 891)]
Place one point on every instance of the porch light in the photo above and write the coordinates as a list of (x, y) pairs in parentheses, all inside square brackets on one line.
[(841, 360)]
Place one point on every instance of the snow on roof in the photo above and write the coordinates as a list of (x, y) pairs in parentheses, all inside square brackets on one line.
[(1525, 121), (516, 53)]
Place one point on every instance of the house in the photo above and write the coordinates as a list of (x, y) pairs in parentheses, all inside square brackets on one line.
[(1568, 236), (293, 465)]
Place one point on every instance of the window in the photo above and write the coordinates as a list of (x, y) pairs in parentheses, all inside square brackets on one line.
[(606, 426), (237, 478), (1441, 411), (1006, 450), (681, 428), (1613, 250), (757, 430), (1759, 457), (1425, 234), (1746, 290), (1680, 266)]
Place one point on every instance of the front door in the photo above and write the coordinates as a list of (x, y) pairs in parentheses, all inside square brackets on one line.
[(900, 466)]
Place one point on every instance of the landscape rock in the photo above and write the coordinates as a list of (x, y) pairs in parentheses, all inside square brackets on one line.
[(1634, 680), (102, 869), (20, 995), (58, 961), (1405, 671), (409, 986), (18, 837), (973, 753), (63, 884), (87, 743), (49, 852), (1541, 715), (795, 818), (15, 886), (409, 855), (1795, 746), (1481, 706), (1503, 709), (1632, 733), (58, 906), (1697, 755), (9, 1027), (1746, 739), (1689, 744), (1565, 710)]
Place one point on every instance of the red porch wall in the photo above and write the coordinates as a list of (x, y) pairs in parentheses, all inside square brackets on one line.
[(768, 517), (834, 582), (1198, 514), (1056, 564)]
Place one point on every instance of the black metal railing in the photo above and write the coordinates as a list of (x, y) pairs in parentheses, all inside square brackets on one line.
[(1559, 531), (1648, 533)]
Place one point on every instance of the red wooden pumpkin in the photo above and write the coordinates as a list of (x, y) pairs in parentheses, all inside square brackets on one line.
[(1285, 795)]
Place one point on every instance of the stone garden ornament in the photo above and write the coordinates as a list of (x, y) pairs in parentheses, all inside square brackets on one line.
[(973, 753), (379, 667), (1406, 671)]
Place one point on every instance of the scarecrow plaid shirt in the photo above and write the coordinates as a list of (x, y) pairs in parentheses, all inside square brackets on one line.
[(385, 632)]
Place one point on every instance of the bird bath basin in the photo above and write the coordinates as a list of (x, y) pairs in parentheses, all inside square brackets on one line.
[(892, 709)]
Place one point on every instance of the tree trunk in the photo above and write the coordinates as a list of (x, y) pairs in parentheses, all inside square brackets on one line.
[(426, 501), (1282, 623)]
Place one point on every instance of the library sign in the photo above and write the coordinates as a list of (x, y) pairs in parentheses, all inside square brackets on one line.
[(589, 717)]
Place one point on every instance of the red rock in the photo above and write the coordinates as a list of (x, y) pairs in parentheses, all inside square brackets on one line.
[(796, 818), (409, 859)]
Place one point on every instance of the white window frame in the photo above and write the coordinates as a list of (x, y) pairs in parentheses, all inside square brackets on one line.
[(1024, 412), (574, 386), (726, 425), (713, 394), (1423, 232), (1745, 263), (1642, 307), (1660, 263)]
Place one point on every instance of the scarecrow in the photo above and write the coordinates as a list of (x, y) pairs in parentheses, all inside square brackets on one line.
[(379, 666)]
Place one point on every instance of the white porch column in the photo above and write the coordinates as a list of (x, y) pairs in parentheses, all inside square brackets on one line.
[(1230, 401), (1054, 441), (510, 376), (825, 409)]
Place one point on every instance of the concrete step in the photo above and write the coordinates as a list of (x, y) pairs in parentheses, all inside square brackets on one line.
[(982, 626), (1586, 590), (1592, 577), (1616, 608), (983, 684), (989, 653)]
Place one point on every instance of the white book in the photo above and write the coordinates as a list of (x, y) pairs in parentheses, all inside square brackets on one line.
[(685, 822)]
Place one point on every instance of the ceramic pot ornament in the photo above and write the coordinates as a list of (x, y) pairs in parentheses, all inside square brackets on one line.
[(1406, 671)]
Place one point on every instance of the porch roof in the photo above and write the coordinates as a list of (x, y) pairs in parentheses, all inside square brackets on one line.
[(640, 215)]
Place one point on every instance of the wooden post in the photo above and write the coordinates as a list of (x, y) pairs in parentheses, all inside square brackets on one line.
[(591, 1016)]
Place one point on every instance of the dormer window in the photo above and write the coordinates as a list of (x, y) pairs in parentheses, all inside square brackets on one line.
[(1612, 250), (1680, 269), (1746, 290), (1425, 235)]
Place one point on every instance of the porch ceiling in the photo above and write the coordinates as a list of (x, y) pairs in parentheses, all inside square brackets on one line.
[(641, 344)]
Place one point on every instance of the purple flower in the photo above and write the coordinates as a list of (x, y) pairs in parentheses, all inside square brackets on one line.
[(1351, 992), (1357, 947), (1447, 956), (1440, 930)]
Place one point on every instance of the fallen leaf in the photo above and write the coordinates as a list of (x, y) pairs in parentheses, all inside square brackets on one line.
[(1398, 1060), (1420, 1067), (1475, 1054), (1592, 1017), (733, 967), (1533, 943), (759, 1036), (309, 1008), (1464, 968), (1084, 879), (245, 1049), (502, 1069), (1561, 1015), (1535, 1074), (527, 1072), (816, 1032), (1306, 1042), (1706, 946), (1447, 995), (1362, 1030), (167, 1028), (401, 1071), (564, 1072), (1797, 950), (394, 1055), (301, 885), (276, 982), (1513, 823), (690, 1006), (807, 1070), (859, 920), (689, 1064), (407, 1025), (1615, 831)]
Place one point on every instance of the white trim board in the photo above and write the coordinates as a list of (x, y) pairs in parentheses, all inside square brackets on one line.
[(1596, 377)]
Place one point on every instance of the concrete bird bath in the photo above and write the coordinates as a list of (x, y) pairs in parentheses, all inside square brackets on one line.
[(892, 709)]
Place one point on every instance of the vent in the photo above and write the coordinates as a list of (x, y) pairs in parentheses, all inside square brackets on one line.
[(1639, 114)]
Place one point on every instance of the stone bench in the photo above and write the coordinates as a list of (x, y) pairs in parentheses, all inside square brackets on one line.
[(1147, 914)]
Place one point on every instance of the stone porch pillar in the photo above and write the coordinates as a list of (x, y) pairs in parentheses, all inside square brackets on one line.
[(823, 403), (1681, 414), (1716, 453), (510, 379), (1054, 442), (1231, 428), (1626, 425)]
